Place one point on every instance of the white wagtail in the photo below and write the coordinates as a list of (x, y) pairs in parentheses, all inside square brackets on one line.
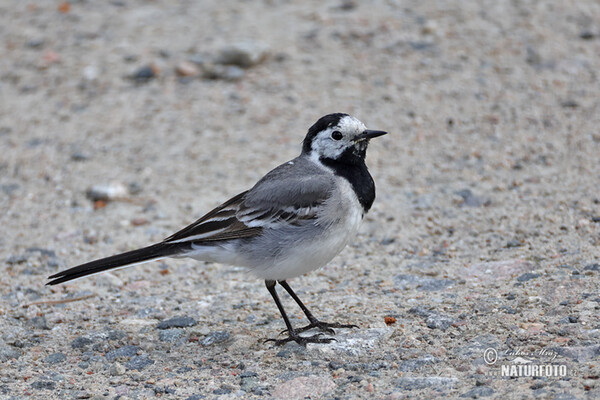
[(294, 220)]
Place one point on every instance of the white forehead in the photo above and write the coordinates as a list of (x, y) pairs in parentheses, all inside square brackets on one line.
[(349, 124)]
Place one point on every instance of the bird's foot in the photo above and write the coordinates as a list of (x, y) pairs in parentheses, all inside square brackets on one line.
[(326, 327), (302, 340)]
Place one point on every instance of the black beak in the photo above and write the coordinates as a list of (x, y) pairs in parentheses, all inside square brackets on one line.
[(369, 134)]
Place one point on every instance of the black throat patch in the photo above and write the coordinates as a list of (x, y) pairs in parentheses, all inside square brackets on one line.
[(352, 167)]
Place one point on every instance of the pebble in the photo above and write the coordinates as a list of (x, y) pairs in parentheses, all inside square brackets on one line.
[(433, 319), (528, 276), (215, 338), (425, 382), (16, 259), (90, 73), (79, 156), (145, 74), (404, 281), (476, 347), (578, 353), (513, 243), (249, 380), (177, 322), (311, 386), (349, 342), (38, 323), (224, 72), (470, 200), (478, 391), (107, 192), (187, 69), (244, 54), (43, 385), (139, 362), (125, 351), (417, 363), (592, 267), (116, 369), (171, 335), (8, 353), (9, 188), (55, 358), (80, 342), (587, 35), (35, 43)]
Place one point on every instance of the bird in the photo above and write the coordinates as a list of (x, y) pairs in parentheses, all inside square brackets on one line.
[(295, 219)]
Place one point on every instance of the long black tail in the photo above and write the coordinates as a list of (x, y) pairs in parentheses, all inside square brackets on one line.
[(130, 258)]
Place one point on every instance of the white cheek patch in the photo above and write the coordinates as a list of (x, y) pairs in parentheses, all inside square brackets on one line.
[(324, 146)]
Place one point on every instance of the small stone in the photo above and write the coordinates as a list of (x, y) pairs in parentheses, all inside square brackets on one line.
[(222, 391), (80, 342), (417, 364), (125, 351), (35, 43), (38, 323), (177, 322), (528, 276), (107, 192), (215, 338), (514, 243), (470, 200), (430, 27), (9, 188), (433, 320), (592, 267), (90, 73), (186, 69), (171, 335), (243, 54), (347, 5), (587, 35), (139, 362), (145, 74), (404, 281), (425, 382), (578, 353), (569, 104), (16, 259), (43, 385), (224, 72), (8, 353), (284, 353), (55, 358), (311, 386), (439, 321), (79, 156), (116, 369), (478, 391)]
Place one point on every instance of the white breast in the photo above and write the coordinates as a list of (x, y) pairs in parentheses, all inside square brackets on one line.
[(344, 215)]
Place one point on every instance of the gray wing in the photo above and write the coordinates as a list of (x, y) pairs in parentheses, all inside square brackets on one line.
[(291, 194)]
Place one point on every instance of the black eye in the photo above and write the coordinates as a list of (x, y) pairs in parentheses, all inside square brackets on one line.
[(337, 135)]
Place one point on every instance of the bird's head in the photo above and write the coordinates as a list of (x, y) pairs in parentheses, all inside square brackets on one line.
[(338, 137)]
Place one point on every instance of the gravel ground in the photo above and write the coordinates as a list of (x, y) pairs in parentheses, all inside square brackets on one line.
[(485, 234)]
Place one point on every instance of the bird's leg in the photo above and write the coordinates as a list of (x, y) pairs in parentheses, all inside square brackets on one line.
[(293, 335), (314, 322)]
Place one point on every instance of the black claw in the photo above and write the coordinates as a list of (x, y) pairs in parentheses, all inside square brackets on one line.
[(325, 327), (302, 340)]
